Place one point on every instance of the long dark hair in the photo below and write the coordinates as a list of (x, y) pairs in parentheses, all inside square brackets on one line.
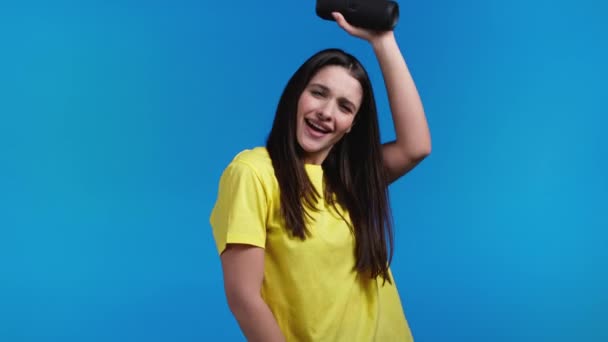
[(353, 169)]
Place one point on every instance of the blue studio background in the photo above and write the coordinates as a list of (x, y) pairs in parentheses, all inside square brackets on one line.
[(118, 117)]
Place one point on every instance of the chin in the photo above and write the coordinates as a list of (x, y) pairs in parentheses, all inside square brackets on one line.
[(309, 148)]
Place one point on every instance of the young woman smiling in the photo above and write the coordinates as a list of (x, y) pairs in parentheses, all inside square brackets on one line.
[(303, 225)]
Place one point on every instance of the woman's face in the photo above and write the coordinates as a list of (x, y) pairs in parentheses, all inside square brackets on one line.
[(326, 110)]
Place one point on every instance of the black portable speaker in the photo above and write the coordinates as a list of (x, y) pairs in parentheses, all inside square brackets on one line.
[(379, 15)]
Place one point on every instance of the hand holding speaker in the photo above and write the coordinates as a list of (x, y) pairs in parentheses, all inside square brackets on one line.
[(377, 15)]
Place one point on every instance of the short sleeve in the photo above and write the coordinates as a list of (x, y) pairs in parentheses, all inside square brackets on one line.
[(240, 211)]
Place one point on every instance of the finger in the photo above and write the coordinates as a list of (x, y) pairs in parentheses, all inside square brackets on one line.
[(342, 21), (339, 18)]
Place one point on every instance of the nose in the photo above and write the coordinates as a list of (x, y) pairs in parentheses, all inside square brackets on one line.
[(325, 111)]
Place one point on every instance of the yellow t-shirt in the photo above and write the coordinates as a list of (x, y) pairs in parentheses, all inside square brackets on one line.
[(310, 286)]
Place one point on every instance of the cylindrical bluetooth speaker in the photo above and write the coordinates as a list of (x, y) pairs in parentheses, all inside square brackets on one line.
[(379, 15)]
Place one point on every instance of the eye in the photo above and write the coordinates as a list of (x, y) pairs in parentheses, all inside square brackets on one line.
[(346, 108), (316, 93)]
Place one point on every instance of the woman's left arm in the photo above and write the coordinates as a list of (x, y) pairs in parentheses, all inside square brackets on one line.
[(413, 139)]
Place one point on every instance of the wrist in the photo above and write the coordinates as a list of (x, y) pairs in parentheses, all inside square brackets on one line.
[(382, 39)]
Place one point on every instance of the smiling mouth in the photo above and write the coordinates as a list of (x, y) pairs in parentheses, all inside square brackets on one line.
[(316, 127)]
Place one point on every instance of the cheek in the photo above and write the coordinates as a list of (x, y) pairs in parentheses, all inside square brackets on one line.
[(301, 109), (305, 103), (346, 122)]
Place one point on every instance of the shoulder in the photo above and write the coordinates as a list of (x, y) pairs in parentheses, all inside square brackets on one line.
[(254, 161), (257, 158)]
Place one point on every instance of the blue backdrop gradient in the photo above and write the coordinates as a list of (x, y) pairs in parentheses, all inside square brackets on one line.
[(117, 119)]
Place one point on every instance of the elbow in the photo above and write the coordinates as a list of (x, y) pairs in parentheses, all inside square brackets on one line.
[(421, 152), (415, 151), (425, 151), (240, 302), (236, 300)]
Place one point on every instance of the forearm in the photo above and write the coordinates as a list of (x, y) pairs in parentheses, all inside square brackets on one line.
[(256, 320), (411, 128)]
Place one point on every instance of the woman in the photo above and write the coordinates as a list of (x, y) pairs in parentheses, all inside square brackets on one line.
[(303, 225)]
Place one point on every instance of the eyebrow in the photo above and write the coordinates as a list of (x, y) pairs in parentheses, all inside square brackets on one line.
[(343, 99)]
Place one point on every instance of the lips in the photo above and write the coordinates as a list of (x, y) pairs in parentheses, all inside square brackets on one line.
[(317, 126)]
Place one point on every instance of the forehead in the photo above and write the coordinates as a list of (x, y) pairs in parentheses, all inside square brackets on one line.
[(339, 81)]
